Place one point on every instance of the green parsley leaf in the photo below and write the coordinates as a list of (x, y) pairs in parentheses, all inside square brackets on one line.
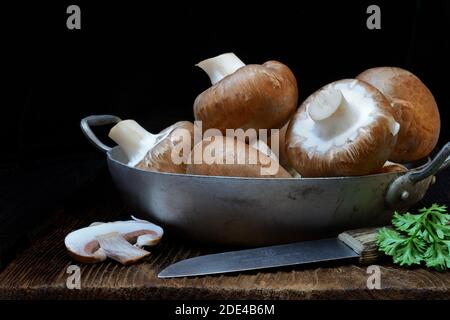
[(418, 238)]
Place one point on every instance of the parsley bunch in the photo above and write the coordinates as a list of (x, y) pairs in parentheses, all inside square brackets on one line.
[(417, 238)]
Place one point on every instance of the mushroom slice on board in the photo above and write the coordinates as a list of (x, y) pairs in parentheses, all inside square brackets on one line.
[(246, 96), (343, 129), (414, 108), (163, 152), (226, 156), (120, 240)]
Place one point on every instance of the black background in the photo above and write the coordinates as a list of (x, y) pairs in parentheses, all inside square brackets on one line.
[(136, 60)]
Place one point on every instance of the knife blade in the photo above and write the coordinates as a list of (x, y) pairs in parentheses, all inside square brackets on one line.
[(262, 258)]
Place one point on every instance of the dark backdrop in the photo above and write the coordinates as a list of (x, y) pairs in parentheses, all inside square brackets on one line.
[(136, 60)]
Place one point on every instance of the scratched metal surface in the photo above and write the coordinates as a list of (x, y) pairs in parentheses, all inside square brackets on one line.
[(253, 212)]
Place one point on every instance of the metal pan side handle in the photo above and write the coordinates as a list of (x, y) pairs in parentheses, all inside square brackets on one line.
[(97, 120), (440, 162), (410, 188)]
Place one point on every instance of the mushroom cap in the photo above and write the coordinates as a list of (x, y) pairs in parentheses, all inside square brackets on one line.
[(254, 96), (284, 160), (390, 167), (282, 155), (241, 156), (159, 158), (83, 245), (357, 147), (414, 107)]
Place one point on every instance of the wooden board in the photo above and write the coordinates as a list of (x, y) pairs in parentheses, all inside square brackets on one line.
[(40, 271)]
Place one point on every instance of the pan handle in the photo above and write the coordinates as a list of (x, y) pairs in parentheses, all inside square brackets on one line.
[(97, 120), (410, 188)]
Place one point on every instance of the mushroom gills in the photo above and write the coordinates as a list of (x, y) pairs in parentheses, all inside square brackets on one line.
[(344, 128), (342, 110)]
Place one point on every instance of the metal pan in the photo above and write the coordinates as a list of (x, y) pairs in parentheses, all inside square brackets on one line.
[(263, 211)]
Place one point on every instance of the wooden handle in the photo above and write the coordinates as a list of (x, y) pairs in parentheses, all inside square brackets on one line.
[(363, 242)]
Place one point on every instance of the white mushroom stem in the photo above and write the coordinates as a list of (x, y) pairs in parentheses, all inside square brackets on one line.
[(119, 249), (331, 113), (134, 140), (221, 66)]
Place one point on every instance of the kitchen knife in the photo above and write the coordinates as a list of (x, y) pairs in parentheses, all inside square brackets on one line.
[(358, 245)]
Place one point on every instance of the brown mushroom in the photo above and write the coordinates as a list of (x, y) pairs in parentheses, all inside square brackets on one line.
[(283, 157), (163, 152), (120, 240), (245, 96), (225, 156), (414, 108), (343, 129), (276, 144), (390, 167)]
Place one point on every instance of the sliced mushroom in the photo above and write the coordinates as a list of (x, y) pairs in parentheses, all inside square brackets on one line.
[(343, 129), (245, 96), (414, 108), (114, 240), (163, 152), (117, 248), (225, 156)]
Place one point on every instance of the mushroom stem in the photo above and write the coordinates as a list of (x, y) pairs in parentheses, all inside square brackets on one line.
[(134, 140), (220, 66), (117, 248), (331, 113)]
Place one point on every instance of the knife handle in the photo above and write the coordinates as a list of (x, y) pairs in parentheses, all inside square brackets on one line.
[(363, 242)]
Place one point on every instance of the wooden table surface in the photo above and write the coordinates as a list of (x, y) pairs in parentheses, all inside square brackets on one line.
[(39, 271)]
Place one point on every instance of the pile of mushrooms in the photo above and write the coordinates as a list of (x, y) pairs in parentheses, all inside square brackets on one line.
[(349, 127), (358, 126), (241, 97)]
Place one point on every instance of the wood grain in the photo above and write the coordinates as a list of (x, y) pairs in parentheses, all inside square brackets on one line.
[(40, 271)]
